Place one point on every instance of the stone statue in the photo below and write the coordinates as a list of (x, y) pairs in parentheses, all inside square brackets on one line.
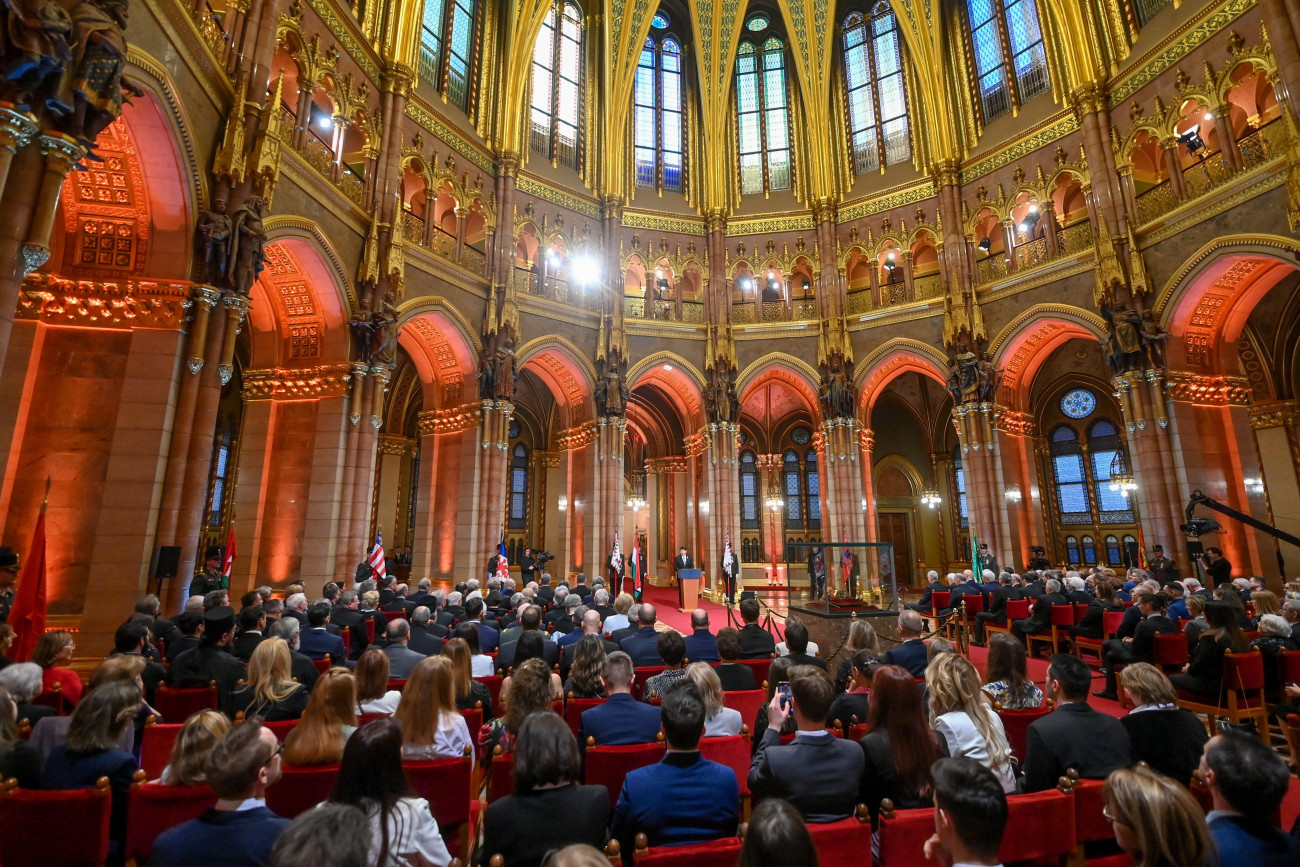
[(248, 246), (212, 240), (611, 393), (504, 377), (964, 376), (487, 369), (35, 38), (989, 378), (836, 391), (720, 399), (99, 56), (385, 332), (1123, 338), (1153, 340), (363, 335)]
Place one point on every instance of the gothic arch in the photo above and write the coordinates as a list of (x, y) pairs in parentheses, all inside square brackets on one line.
[(1173, 294), (643, 367), (892, 358), (566, 371), (801, 370), (677, 379), (300, 309), (443, 354), (280, 226), (148, 72), (1029, 339)]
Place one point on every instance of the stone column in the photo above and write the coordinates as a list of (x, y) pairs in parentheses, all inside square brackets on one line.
[(722, 494), (1277, 442), (446, 484), (984, 499), (577, 464), (1014, 433), (1177, 183), (1146, 424), (494, 469), (1282, 26), (1047, 214), (1228, 137), (306, 88), (843, 518), (392, 487)]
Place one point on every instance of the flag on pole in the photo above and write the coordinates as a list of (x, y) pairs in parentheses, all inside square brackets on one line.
[(977, 568), (846, 566), (728, 568), (1142, 551), (228, 565), (638, 573), (27, 616), (377, 567), (616, 559), (503, 560)]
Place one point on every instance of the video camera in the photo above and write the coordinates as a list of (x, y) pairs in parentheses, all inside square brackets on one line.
[(541, 558)]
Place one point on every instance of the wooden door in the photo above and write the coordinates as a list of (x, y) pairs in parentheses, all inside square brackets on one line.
[(896, 528)]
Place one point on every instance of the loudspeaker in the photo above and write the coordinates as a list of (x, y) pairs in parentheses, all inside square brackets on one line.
[(166, 561), (748, 594)]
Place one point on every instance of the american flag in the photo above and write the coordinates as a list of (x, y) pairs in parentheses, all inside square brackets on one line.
[(377, 558)]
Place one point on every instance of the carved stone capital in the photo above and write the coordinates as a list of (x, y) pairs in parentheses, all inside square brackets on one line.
[(1207, 389), (327, 380), (454, 419), (576, 437), (1278, 413), (671, 464), (109, 304), (17, 128), (206, 296), (61, 152)]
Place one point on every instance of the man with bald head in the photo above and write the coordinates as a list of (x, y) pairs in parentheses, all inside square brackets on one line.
[(568, 643), (701, 645), (643, 645)]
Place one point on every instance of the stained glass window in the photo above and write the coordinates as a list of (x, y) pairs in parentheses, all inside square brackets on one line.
[(1071, 549), (1114, 556), (1071, 481), (762, 116), (519, 487), (813, 479), (1089, 552), (447, 47), (657, 120), (757, 24), (959, 483), (220, 471), (1078, 403), (660, 21), (1010, 59), (748, 491), (1104, 443), (873, 69), (557, 71), (793, 492)]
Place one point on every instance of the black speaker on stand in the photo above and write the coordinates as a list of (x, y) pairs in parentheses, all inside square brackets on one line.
[(165, 563)]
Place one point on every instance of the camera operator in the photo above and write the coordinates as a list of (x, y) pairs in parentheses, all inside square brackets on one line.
[(1218, 569), (527, 567)]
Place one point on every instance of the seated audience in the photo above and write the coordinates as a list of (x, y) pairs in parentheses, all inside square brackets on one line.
[(189, 761), (671, 648), (328, 721), (1093, 622), (1247, 781), (19, 760), (1006, 678), (271, 692), (970, 814), (1040, 615), (621, 719), (332, 835), (900, 746), (643, 645), (1203, 673), (239, 829), (531, 694), (23, 680), (252, 627), (470, 693), (818, 773), (132, 640), (1197, 622), (402, 830), (1074, 736), (967, 724), (701, 645), (584, 674), (481, 665), (1157, 822), (402, 660), (735, 676), (549, 809), (531, 645), (373, 694), (1140, 646), (92, 751), (853, 706), (911, 654), (1265, 602), (862, 636), (684, 798), (432, 727), (1160, 733), (1274, 638), (317, 641), (303, 669), (618, 620), (755, 641), (211, 660), (778, 673), (7, 636), (720, 721), (777, 836), (53, 653), (796, 640)]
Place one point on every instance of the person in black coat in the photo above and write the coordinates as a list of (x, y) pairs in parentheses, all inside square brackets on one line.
[(252, 628), (1218, 569), (347, 613), (1203, 673), (1075, 736), (1141, 647), (1160, 733), (926, 602), (912, 654), (734, 675), (755, 641), (1005, 592), (852, 707), (1093, 622), (643, 645), (211, 660), (427, 638), (1040, 616)]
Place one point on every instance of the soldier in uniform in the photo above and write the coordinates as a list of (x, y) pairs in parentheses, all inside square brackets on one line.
[(1162, 568), (210, 578), (987, 561), (8, 578), (1038, 562)]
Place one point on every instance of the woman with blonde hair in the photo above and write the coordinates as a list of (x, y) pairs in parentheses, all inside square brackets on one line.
[(432, 727), (1160, 733), (588, 662), (469, 692), (1265, 602), (373, 694), (1156, 820), (53, 653), (271, 692), (327, 723), (968, 725), (862, 636), (720, 721), (188, 765)]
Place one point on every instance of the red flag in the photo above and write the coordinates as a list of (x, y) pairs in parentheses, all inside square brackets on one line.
[(27, 616), (229, 566)]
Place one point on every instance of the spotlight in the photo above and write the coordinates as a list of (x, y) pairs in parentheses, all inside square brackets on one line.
[(985, 245), (585, 270), (1192, 139), (746, 283), (325, 122), (1198, 527)]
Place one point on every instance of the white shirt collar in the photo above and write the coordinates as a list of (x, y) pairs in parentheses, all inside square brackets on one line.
[(250, 804), (1147, 707)]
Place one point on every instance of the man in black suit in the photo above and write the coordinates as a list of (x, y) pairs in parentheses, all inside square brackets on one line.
[(682, 560), (997, 613), (211, 660), (132, 639), (600, 603), (1133, 614), (530, 621), (489, 638), (527, 567), (545, 594), (755, 641), (300, 666), (1141, 647), (318, 640), (347, 612), (926, 603), (701, 646), (426, 637), (818, 773), (1218, 569), (452, 610), (188, 624), (734, 675), (912, 654), (618, 635), (1040, 616), (568, 643), (621, 719), (1033, 587), (796, 640), (643, 645), (400, 604), (161, 628), (968, 587), (402, 660), (423, 591), (1075, 735), (252, 623)]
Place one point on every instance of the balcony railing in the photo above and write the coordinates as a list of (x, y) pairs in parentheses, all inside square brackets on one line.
[(1075, 239), (555, 289), (412, 229), (859, 302), (742, 313), (474, 261), (993, 268), (1156, 202), (928, 287)]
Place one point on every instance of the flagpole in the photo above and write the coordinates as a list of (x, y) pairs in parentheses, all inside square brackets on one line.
[(45, 501)]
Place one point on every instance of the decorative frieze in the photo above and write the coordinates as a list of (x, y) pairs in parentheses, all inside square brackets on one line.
[(1278, 413), (104, 303), (695, 444), (576, 437), (1019, 424), (327, 380), (404, 447), (671, 464), (1207, 389), (453, 419)]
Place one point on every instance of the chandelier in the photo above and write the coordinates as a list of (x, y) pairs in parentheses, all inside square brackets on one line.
[(636, 504), (1121, 475), (775, 503), (930, 497)]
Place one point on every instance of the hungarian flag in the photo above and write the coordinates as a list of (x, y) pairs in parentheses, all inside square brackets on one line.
[(377, 567), (638, 573), (27, 616), (976, 567), (228, 565), (503, 561)]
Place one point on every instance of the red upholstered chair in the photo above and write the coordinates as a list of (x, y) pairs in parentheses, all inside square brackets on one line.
[(1017, 609), (903, 834), (974, 603), (445, 784), (474, 718), (54, 697), (156, 745), (856, 732), (574, 707), (370, 630), (1090, 825), (1288, 665), (500, 775), (154, 808), (607, 766), (716, 853), (178, 705), (847, 841), (24, 814), (300, 788), (363, 718), (1058, 633), (1052, 809), (1110, 621), (323, 664), (398, 685), (760, 666), (747, 701), (346, 634), (281, 728), (493, 683), (1242, 696), (1169, 653), (734, 752), (1016, 723), (390, 616), (938, 602), (642, 675)]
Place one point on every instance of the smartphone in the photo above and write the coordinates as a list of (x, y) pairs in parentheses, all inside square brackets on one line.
[(787, 697)]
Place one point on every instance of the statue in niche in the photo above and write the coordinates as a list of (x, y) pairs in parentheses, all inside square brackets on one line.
[(248, 246), (1123, 339), (720, 399), (504, 378), (212, 240), (836, 390), (36, 38), (384, 331), (1153, 340), (611, 392), (99, 56), (486, 369), (362, 334), (989, 378), (964, 375)]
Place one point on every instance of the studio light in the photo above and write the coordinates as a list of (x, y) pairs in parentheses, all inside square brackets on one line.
[(985, 245), (1192, 139), (585, 270)]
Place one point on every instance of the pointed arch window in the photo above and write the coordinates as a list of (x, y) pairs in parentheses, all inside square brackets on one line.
[(873, 70), (812, 478), (658, 116), (1114, 556), (1070, 476), (793, 490), (1089, 552), (1072, 550), (447, 47), (519, 487), (763, 117), (557, 75), (1008, 52), (1103, 443), (748, 491), (959, 485)]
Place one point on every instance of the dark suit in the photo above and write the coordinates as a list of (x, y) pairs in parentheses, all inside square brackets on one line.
[(805, 659), (681, 799), (303, 669), (219, 837), (204, 664), (1140, 649), (927, 596), (401, 606), (911, 654), (620, 720), (488, 636), (997, 612), (506, 655), (355, 621), (736, 677), (545, 595), (1170, 741), (427, 640), (756, 642), (1033, 590), (318, 642), (1040, 617), (643, 646), (1246, 840), (1127, 626), (180, 645), (1074, 736), (618, 635), (245, 643), (402, 660), (680, 563), (701, 646), (165, 631), (817, 773)]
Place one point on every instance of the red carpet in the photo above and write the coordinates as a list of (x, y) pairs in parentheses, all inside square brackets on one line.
[(665, 601)]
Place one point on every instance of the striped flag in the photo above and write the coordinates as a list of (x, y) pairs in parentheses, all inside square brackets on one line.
[(503, 561), (228, 564), (638, 576), (377, 567), (616, 559), (1142, 551)]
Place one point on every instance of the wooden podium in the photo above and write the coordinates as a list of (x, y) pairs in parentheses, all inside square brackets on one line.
[(688, 588)]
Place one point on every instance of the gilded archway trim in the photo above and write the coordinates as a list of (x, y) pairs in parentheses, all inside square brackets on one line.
[(281, 226), (904, 466), (159, 83), (539, 346), (1086, 319), (646, 364), (777, 359), (1278, 247), (426, 304), (924, 352)]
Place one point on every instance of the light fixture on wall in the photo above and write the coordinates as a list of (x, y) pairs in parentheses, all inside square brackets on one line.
[(889, 262), (1121, 475), (1031, 219), (1254, 485), (930, 497), (562, 504), (1013, 494)]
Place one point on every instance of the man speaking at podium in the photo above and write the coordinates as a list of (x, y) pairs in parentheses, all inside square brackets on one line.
[(684, 568), (682, 560)]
